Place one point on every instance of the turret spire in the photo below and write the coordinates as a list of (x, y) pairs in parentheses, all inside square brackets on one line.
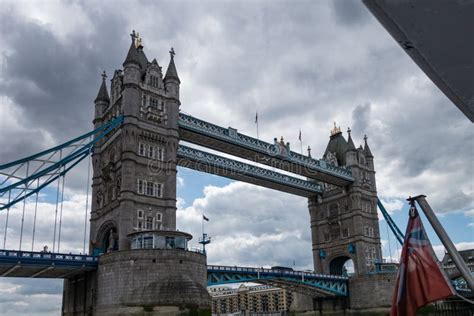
[(350, 143), (103, 94), (132, 55), (367, 151), (171, 73)]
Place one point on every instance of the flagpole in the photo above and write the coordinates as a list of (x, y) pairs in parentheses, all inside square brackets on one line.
[(443, 236), (256, 122)]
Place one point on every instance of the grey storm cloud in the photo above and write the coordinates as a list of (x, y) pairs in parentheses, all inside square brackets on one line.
[(300, 64)]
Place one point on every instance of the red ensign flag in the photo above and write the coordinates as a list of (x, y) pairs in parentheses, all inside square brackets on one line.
[(420, 279)]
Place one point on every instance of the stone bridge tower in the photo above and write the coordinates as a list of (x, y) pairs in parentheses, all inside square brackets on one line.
[(344, 221), (144, 264), (134, 180)]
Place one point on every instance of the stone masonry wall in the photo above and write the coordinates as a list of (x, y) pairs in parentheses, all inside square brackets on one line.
[(371, 291), (148, 278)]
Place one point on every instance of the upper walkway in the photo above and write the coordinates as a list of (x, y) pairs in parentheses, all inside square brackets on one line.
[(206, 162), (277, 155)]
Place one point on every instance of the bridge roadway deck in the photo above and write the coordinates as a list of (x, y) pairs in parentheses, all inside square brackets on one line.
[(29, 264), (229, 141), (206, 162)]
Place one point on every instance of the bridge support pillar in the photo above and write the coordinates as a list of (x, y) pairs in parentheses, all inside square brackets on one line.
[(371, 291), (79, 294), (141, 281)]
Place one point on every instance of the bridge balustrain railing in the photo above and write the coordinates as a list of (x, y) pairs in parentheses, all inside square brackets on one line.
[(11, 254), (292, 273), (231, 135), (237, 167)]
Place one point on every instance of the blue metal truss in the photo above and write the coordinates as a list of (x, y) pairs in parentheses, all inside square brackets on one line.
[(233, 168), (48, 165), (331, 284), (230, 135)]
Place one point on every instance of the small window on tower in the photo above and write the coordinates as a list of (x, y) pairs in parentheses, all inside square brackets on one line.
[(140, 214), (150, 151), (158, 189), (149, 222), (141, 149), (149, 188), (153, 103), (140, 187), (154, 81), (158, 153)]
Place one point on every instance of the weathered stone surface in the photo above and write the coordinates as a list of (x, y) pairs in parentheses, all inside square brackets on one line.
[(371, 291), (150, 278)]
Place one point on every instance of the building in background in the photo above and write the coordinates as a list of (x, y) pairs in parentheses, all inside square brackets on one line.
[(249, 299)]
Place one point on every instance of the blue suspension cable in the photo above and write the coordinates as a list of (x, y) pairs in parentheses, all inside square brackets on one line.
[(61, 211), (87, 200), (34, 220), (388, 238), (6, 221), (24, 205), (57, 202), (77, 154)]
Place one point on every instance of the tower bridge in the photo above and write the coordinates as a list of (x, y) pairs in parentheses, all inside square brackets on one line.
[(138, 260)]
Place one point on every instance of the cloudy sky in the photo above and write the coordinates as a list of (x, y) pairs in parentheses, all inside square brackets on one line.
[(301, 64)]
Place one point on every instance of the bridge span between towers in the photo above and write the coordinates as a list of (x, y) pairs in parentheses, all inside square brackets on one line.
[(277, 155)]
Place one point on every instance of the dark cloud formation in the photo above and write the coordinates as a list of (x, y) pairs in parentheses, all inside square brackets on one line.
[(301, 64), (349, 12)]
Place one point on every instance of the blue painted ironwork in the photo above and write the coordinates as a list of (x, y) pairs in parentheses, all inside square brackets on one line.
[(208, 160), (32, 258), (230, 135), (393, 227), (53, 171), (331, 284)]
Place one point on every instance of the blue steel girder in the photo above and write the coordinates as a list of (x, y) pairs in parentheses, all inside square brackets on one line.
[(328, 285), (237, 170), (48, 165), (277, 155), (15, 263)]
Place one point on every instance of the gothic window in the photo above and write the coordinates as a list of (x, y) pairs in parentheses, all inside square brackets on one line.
[(154, 103), (140, 186), (158, 217), (345, 232), (158, 189), (149, 188), (141, 149), (119, 185), (369, 231), (158, 153), (149, 223), (144, 97), (140, 214), (150, 151), (153, 81), (333, 210)]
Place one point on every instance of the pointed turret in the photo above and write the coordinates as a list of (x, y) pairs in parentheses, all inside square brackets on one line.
[(171, 73), (337, 145), (102, 101), (103, 94), (132, 55), (350, 143), (367, 151), (171, 78)]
